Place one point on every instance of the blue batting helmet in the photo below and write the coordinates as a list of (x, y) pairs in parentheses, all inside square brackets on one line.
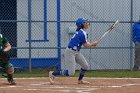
[(80, 22)]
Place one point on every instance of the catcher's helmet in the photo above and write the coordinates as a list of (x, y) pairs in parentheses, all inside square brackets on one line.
[(80, 22)]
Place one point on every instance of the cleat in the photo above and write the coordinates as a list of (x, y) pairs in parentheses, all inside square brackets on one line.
[(51, 77), (83, 82), (11, 80)]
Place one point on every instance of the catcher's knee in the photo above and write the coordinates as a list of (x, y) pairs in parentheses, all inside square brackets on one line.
[(10, 70)]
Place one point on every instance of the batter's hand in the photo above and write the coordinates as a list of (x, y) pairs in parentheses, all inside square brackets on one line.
[(95, 43)]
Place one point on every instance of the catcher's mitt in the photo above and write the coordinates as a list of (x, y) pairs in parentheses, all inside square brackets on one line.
[(4, 56)]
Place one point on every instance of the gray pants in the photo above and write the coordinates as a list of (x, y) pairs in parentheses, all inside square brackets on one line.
[(137, 55), (71, 58)]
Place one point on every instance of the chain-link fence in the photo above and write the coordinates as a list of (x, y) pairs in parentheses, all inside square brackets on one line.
[(39, 31)]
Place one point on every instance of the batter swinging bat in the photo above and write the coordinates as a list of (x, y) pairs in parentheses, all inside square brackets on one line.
[(110, 29)]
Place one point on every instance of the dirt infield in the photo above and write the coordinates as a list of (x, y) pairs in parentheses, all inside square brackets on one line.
[(69, 85)]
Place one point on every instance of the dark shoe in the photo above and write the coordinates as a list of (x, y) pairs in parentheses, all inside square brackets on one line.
[(83, 82), (11, 80)]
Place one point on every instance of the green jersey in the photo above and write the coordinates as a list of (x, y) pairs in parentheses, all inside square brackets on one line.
[(3, 41)]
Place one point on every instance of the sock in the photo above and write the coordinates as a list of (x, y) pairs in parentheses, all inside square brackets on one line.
[(57, 73), (82, 72), (65, 72), (61, 72)]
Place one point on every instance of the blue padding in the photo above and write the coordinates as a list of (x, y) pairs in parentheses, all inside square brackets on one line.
[(36, 62)]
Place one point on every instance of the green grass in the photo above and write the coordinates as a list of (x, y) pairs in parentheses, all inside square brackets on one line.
[(114, 74), (106, 74)]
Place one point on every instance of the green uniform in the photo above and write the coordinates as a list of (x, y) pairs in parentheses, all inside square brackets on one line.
[(6, 66), (3, 42)]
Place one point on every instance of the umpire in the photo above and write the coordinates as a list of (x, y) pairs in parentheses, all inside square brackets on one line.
[(136, 40), (8, 68)]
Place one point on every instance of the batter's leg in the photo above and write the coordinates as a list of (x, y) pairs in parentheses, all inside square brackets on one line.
[(69, 56), (80, 59)]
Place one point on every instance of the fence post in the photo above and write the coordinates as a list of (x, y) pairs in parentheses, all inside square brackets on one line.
[(29, 34), (59, 34), (131, 43)]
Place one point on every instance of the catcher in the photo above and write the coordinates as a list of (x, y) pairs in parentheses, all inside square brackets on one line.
[(4, 59)]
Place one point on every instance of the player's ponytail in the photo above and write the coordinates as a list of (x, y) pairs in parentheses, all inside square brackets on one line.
[(78, 28)]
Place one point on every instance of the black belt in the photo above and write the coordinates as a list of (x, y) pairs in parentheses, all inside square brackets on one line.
[(73, 49)]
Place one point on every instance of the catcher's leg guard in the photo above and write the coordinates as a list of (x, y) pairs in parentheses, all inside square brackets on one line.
[(10, 72), (11, 80), (10, 69)]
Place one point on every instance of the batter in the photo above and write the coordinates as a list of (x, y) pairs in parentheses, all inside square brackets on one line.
[(73, 55)]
